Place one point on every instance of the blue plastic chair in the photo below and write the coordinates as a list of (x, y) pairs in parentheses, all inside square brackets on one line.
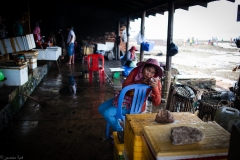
[(140, 91)]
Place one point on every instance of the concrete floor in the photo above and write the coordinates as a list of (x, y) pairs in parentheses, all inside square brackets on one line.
[(69, 127)]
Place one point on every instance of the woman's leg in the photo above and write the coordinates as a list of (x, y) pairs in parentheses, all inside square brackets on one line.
[(128, 63), (109, 111), (109, 115), (105, 105)]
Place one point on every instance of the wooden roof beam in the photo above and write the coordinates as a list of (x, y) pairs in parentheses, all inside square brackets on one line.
[(159, 11), (150, 14), (196, 2), (125, 4), (181, 6), (202, 4), (140, 3), (148, 7)]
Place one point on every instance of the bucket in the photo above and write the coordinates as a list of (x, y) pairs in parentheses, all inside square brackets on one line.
[(116, 75), (1, 76), (226, 117)]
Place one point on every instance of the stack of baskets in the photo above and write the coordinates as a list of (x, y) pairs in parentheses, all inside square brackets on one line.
[(181, 98)]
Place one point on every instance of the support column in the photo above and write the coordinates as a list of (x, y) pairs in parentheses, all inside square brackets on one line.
[(118, 42), (143, 34), (167, 80), (127, 28), (29, 24)]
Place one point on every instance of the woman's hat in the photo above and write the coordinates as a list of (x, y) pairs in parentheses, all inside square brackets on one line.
[(133, 48), (153, 62)]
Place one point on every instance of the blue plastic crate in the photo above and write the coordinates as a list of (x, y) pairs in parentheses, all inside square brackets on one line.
[(147, 46), (126, 71)]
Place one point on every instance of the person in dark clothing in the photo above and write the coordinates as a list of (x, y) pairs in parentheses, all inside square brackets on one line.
[(2, 29), (18, 26), (60, 40)]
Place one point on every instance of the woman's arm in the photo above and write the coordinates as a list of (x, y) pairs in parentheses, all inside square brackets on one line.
[(128, 56), (135, 57), (156, 94), (130, 78)]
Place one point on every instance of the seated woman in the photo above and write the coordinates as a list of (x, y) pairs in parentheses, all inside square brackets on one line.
[(41, 43), (129, 57), (142, 74), (37, 37)]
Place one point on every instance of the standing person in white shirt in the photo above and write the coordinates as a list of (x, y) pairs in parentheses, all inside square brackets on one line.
[(70, 44)]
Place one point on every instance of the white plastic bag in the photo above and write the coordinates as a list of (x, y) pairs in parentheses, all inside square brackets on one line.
[(124, 35), (139, 38), (133, 64)]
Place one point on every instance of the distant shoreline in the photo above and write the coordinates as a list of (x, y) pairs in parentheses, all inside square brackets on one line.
[(160, 41)]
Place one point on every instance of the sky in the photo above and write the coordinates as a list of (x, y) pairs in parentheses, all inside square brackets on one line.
[(219, 20)]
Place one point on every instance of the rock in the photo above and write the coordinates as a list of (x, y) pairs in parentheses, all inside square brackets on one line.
[(186, 135), (164, 116)]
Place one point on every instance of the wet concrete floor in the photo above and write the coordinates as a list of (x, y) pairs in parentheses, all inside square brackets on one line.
[(69, 127)]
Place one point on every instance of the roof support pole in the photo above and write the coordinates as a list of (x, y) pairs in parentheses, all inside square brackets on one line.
[(142, 33), (167, 80), (127, 28), (29, 24), (118, 40)]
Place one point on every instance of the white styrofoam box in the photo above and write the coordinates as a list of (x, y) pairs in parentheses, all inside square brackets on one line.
[(2, 48), (29, 41), (33, 59), (16, 76), (25, 42), (15, 45), (109, 46), (57, 49), (32, 41), (29, 56), (101, 47), (40, 53), (19, 41), (8, 45), (32, 65), (29, 53), (54, 47), (5, 46), (51, 53)]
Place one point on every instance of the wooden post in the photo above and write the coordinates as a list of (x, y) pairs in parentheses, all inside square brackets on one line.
[(143, 33), (118, 42), (167, 80), (127, 28), (29, 24)]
